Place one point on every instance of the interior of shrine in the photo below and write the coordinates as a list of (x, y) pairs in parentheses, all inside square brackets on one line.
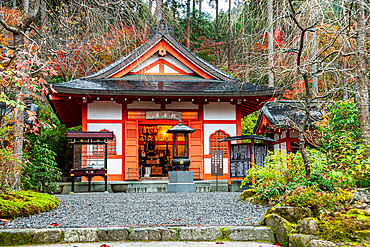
[(156, 149)]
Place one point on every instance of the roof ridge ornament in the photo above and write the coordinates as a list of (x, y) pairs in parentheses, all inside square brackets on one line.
[(162, 28)]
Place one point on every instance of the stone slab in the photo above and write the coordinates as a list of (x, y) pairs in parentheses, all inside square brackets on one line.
[(80, 235), (181, 188), (145, 234), (113, 234), (184, 177), (199, 233), (245, 233), (47, 236), (15, 237), (265, 234)]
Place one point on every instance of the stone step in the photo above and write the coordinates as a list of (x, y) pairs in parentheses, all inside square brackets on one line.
[(70, 235)]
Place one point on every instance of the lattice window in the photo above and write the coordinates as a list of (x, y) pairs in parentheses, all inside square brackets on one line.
[(215, 145), (111, 146)]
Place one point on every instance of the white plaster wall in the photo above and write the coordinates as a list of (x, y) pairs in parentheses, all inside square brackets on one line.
[(283, 134), (207, 165), (168, 69), (147, 62), (219, 111), (177, 63), (182, 105), (104, 110), (116, 128), (144, 105), (114, 166), (209, 129), (154, 69), (276, 137)]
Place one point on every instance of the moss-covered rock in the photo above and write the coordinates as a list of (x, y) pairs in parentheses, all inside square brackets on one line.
[(307, 226), (281, 227), (291, 214), (247, 194), (300, 240), (23, 203)]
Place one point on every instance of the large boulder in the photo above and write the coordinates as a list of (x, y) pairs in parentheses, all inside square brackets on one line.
[(307, 226), (300, 240), (320, 243), (280, 226), (291, 214)]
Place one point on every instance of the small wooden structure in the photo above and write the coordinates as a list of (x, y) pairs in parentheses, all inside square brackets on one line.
[(277, 120), (89, 151)]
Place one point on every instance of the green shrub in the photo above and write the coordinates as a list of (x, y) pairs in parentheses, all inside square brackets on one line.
[(23, 203), (41, 172), (337, 229), (311, 197)]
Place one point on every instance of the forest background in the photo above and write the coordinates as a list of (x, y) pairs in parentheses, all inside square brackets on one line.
[(317, 50)]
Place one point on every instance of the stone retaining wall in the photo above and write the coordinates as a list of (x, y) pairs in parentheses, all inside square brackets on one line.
[(55, 235)]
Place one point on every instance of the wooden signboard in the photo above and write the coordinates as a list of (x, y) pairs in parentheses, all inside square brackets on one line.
[(171, 115), (217, 158), (240, 159)]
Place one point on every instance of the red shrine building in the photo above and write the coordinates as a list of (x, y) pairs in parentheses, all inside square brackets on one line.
[(148, 91)]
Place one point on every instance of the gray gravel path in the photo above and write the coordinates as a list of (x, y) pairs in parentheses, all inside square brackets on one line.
[(146, 209)]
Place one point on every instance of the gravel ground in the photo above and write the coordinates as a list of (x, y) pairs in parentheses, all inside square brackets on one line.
[(145, 209)]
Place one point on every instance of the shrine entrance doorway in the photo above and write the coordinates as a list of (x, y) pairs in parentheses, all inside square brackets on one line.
[(155, 149)]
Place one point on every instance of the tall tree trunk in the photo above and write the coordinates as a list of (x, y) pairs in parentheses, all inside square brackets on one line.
[(31, 8), (344, 63), (229, 39), (315, 87), (362, 80), (194, 9), (246, 40), (174, 5), (216, 20), (270, 41), (147, 21), (159, 11), (188, 24), (200, 6)]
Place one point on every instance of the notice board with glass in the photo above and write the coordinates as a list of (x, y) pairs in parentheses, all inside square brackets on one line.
[(240, 159)]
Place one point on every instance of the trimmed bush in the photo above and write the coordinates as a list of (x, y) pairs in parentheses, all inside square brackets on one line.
[(24, 203)]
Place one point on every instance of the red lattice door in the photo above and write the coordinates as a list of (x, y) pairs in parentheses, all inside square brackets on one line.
[(131, 151)]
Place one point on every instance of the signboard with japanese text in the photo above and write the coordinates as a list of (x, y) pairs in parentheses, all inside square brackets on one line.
[(240, 159), (260, 153), (217, 158), (172, 115)]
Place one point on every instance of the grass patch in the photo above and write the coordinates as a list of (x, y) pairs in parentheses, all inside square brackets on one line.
[(24, 203)]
